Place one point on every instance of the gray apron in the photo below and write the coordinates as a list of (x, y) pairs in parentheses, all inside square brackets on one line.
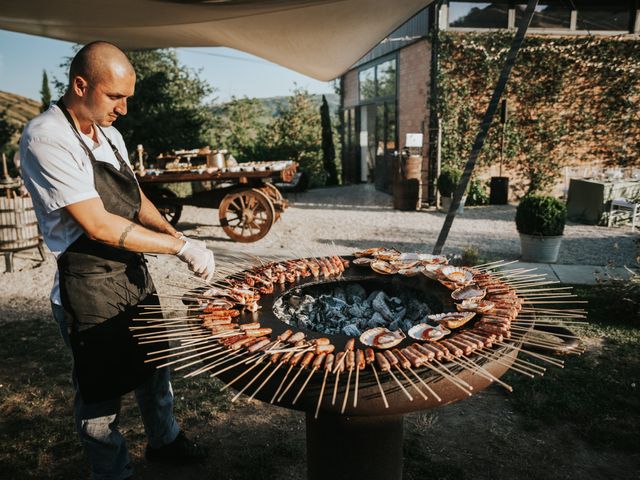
[(101, 289)]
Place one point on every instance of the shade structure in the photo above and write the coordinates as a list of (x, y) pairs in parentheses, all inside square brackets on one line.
[(321, 39)]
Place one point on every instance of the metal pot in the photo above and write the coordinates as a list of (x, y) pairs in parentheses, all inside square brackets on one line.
[(218, 160)]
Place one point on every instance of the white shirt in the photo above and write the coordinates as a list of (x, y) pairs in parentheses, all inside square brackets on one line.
[(57, 172)]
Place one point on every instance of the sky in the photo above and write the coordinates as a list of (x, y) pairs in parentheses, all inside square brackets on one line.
[(230, 72)]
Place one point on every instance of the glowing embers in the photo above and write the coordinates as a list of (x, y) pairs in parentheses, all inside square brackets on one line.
[(351, 309)]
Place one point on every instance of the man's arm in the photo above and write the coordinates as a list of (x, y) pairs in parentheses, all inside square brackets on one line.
[(151, 218), (105, 227)]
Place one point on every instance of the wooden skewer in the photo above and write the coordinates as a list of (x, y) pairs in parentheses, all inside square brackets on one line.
[(429, 389), (252, 380), (209, 357), (304, 385), (355, 393), (324, 382), (230, 357), (229, 367), (184, 345), (346, 392), (264, 382), (286, 375), (184, 352), (167, 331), (545, 358), (404, 390), (384, 397), (483, 372), (510, 366), (163, 340), (412, 383), (203, 351), (335, 388), (447, 375), (293, 380)]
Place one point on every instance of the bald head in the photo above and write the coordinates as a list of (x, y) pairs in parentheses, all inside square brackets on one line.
[(98, 61), (101, 79)]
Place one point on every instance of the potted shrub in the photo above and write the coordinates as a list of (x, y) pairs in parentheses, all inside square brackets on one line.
[(447, 184), (540, 221)]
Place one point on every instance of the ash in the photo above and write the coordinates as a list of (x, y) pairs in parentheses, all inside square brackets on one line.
[(348, 310)]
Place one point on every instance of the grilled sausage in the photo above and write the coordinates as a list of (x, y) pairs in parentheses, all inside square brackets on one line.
[(382, 362), (369, 355), (360, 361), (428, 351), (306, 360), (456, 351), (320, 341), (296, 358), (351, 360), (284, 336), (259, 332), (412, 355), (328, 364), (317, 363), (338, 364), (325, 348), (250, 326), (404, 361), (296, 337), (259, 345), (350, 344), (391, 357)]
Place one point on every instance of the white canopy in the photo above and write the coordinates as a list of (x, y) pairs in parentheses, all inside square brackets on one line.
[(321, 39)]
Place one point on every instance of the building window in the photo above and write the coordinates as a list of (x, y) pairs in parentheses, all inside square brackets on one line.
[(548, 14), (378, 81), (478, 15), (601, 18), (386, 78), (367, 80)]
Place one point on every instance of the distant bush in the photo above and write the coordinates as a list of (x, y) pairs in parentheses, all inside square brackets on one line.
[(541, 215), (448, 180), (477, 193)]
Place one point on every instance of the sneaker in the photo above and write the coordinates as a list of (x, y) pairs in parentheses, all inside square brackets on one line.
[(181, 451)]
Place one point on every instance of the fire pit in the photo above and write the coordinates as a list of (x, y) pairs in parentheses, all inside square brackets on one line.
[(355, 397)]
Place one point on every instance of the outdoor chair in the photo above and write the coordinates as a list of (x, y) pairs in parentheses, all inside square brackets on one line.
[(621, 208)]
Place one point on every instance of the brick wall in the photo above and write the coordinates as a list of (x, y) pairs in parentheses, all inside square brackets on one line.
[(413, 93)]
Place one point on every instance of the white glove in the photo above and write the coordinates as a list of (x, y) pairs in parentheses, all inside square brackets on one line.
[(199, 259), (182, 236)]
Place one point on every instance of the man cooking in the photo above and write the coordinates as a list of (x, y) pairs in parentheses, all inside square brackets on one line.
[(96, 220)]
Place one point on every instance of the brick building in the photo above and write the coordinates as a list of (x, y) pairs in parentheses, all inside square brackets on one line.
[(387, 93)]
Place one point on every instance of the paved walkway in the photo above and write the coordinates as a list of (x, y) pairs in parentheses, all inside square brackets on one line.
[(576, 274)]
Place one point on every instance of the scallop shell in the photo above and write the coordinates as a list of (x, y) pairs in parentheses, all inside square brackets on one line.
[(381, 337), (403, 264), (412, 271), (388, 254), (432, 259), (459, 275), (383, 268), (475, 305), (368, 252), (469, 292), (449, 285), (362, 261), (426, 332), (452, 319), (432, 272)]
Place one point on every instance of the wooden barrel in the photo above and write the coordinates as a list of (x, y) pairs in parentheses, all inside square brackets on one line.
[(407, 192), (18, 224)]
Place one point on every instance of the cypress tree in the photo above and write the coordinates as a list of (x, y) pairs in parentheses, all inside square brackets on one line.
[(328, 149), (45, 92)]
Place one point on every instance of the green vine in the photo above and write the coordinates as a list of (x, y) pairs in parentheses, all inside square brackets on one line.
[(571, 101)]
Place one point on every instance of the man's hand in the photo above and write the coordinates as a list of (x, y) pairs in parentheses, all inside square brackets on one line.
[(200, 260), (182, 236)]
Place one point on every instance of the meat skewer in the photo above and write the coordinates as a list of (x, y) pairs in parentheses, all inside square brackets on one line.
[(274, 360), (402, 364), (328, 366), (350, 365), (283, 360), (317, 363), (360, 364), (385, 366), (370, 357), (304, 362), (337, 369)]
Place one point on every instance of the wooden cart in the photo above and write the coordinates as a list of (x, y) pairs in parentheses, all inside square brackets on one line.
[(248, 202)]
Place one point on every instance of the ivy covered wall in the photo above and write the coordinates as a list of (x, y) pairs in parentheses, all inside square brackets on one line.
[(572, 101)]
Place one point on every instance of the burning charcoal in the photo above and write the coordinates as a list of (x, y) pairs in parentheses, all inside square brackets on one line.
[(351, 330), (358, 310), (393, 326), (339, 294), (380, 306), (355, 293), (373, 295), (376, 320)]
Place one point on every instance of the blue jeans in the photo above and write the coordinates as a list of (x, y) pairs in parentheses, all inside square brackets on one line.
[(97, 423)]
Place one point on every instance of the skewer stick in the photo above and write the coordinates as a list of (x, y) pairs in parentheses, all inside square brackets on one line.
[(335, 388), (184, 345), (264, 382), (411, 382), (175, 354), (384, 397), (224, 352), (447, 376), (355, 393), (164, 340), (346, 392), (229, 367), (404, 390), (429, 389), (252, 380), (545, 358), (501, 362), (293, 380), (483, 372), (304, 385), (324, 383), (286, 375), (206, 350)]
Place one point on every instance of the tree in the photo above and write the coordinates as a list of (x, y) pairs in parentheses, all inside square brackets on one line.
[(7, 130), (241, 125), (296, 134), (328, 148), (168, 110), (45, 92)]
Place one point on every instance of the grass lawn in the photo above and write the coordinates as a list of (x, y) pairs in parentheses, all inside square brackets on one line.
[(582, 421)]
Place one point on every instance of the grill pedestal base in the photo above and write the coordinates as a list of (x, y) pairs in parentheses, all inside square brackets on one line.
[(350, 448)]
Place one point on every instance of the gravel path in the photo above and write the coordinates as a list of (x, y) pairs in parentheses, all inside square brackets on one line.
[(337, 220)]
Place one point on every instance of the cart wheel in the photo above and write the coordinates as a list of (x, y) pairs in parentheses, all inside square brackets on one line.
[(279, 203), (246, 216), (165, 201)]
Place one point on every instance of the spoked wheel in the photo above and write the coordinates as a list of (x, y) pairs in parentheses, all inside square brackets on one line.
[(278, 201), (246, 216), (166, 202)]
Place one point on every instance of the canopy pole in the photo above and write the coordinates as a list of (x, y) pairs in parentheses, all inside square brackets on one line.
[(485, 125)]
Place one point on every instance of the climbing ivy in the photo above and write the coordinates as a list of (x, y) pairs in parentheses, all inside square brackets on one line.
[(572, 100)]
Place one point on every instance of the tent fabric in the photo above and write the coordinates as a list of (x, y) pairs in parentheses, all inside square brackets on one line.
[(321, 39)]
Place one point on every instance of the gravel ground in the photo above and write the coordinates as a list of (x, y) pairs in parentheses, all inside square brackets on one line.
[(337, 220)]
